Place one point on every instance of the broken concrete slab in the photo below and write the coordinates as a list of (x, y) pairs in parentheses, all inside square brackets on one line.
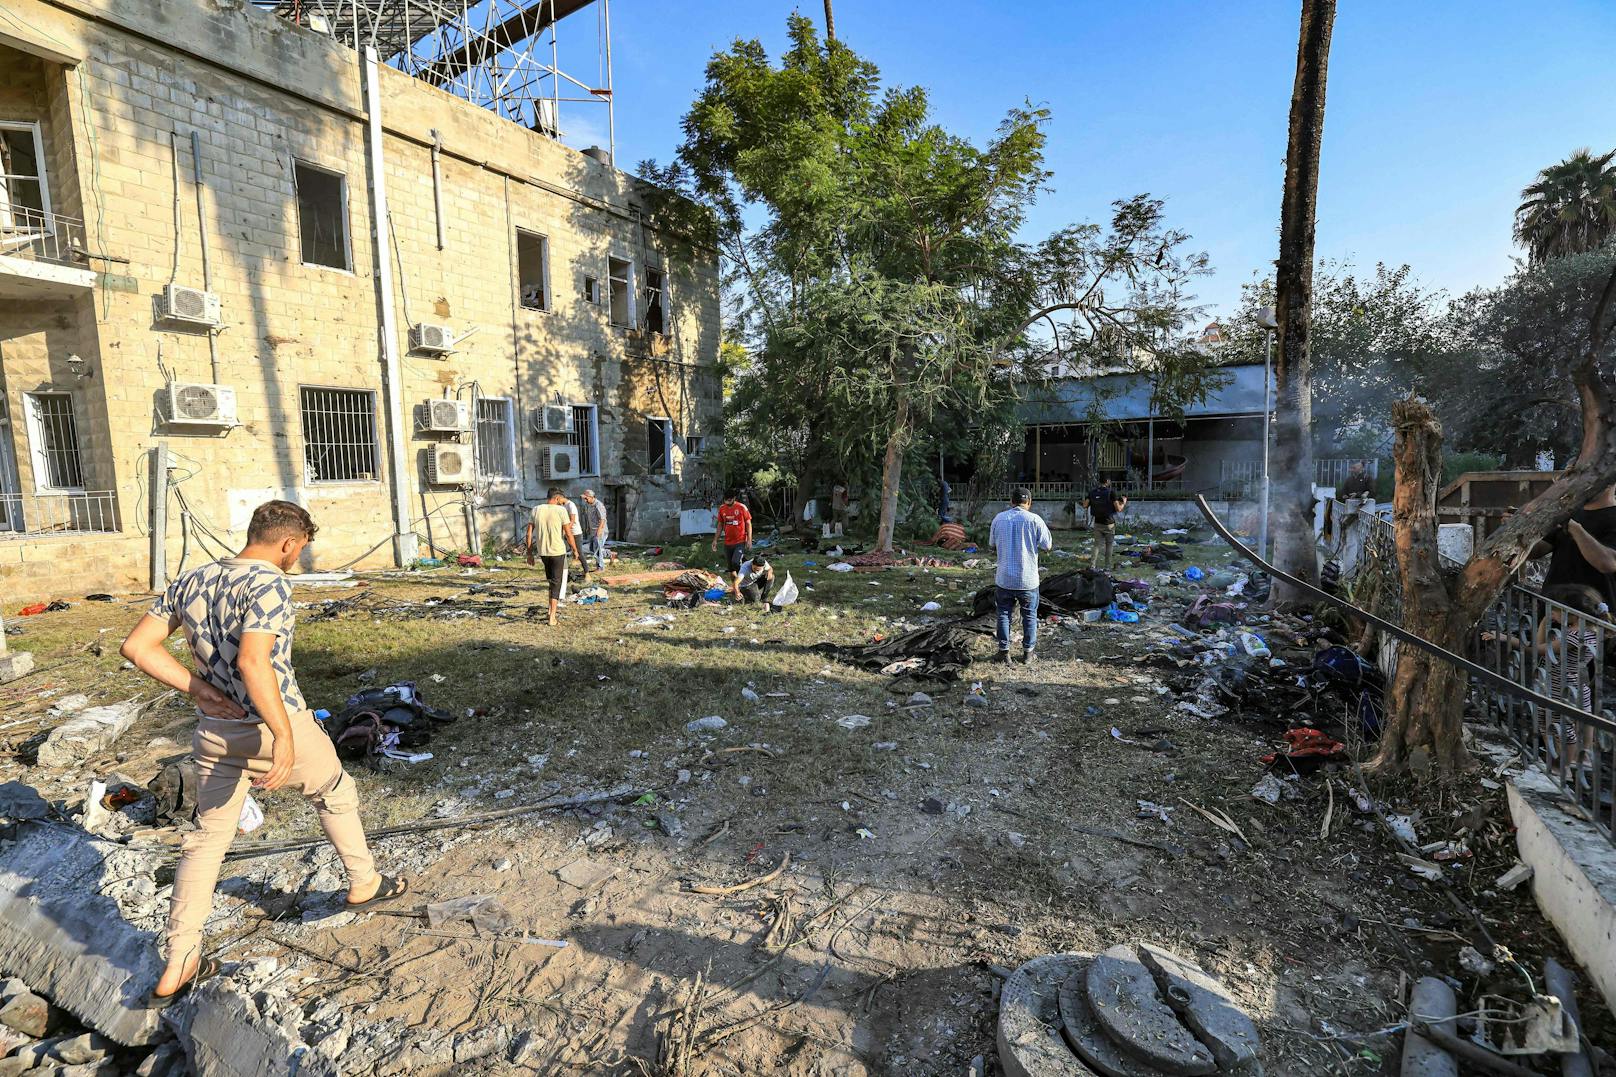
[(26, 1013), (1129, 1006), (229, 1033), (1433, 1000), (15, 664), (1085, 1036), (1030, 1040), (1207, 1008), (585, 874), (78, 739), (70, 942)]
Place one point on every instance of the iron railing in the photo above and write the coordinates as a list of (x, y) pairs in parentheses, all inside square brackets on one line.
[(1542, 645), (1076, 491), (86, 512), (41, 237), (1332, 471)]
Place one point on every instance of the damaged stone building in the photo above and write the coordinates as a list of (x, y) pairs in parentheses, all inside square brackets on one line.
[(242, 259)]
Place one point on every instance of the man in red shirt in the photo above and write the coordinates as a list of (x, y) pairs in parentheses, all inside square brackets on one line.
[(735, 528)]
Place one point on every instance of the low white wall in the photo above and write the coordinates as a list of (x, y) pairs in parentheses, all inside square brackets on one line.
[(1137, 514)]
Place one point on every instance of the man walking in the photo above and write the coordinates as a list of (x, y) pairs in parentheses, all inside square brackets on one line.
[(735, 528), (253, 728), (1017, 535), (552, 525), (594, 530), (1103, 504)]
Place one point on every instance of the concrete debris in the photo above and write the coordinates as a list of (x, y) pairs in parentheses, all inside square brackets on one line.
[(710, 724), (75, 741), (1514, 877), (1129, 1006), (1471, 960), (230, 1033), (1205, 1008), (26, 1013), (854, 721), (585, 874)]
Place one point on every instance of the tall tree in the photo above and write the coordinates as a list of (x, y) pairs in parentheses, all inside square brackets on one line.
[(1570, 208), (830, 22), (1293, 277)]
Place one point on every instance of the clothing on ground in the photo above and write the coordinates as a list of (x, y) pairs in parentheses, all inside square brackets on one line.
[(216, 604), (229, 755), (733, 520), (1104, 504), (1568, 566), (550, 530), (1005, 602), (950, 536), (1018, 534)]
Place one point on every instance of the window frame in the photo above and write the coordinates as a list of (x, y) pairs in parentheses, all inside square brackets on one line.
[(629, 285), (593, 447), (34, 128), (508, 442), (701, 445), (375, 435), (667, 445), (661, 293), (39, 449), (347, 224), (547, 303)]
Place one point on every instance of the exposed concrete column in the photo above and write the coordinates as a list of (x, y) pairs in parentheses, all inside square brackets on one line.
[(404, 545), (12, 666)]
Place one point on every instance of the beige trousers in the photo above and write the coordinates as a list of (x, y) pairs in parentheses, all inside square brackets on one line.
[(229, 755), (1103, 534)]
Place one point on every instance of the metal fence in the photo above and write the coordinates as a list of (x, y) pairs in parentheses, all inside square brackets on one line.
[(58, 514), (1543, 645), (43, 237), (1332, 471)]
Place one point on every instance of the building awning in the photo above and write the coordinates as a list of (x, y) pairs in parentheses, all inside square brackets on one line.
[(1127, 398)]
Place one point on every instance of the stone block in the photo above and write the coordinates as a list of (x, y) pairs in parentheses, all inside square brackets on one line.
[(1208, 1010), (26, 1013), (1124, 997), (1030, 1040), (80, 738), (226, 1033), (80, 1049), (14, 664)]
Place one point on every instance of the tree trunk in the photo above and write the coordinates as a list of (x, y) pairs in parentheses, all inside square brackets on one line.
[(1425, 701), (807, 480), (830, 23), (892, 471), (1292, 495)]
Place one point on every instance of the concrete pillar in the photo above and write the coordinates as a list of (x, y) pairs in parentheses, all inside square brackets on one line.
[(15, 665)]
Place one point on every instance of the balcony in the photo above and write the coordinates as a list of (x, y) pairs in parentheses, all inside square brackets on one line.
[(42, 256), (76, 513)]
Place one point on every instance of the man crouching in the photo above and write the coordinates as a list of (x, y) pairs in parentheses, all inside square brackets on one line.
[(253, 727)]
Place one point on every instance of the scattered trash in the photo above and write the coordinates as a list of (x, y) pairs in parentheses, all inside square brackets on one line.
[(99, 597), (1121, 616), (593, 595), (854, 721), (1306, 750), (437, 678), (786, 595), (840, 566), (1015, 841), (710, 724), (1254, 645), (930, 607), (920, 699), (976, 697), (1151, 810), (1403, 827), (482, 911), (1514, 877), (1194, 573), (651, 620), (252, 816), (1271, 790), (749, 695)]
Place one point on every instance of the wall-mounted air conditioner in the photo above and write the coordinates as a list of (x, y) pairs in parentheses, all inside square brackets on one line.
[(201, 405), (559, 462), (448, 465), (191, 305), (445, 416), (431, 338), (552, 419)]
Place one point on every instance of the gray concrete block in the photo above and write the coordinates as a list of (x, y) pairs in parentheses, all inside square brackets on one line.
[(15, 664), (1030, 1040), (1128, 1005), (26, 1013), (67, 941), (227, 1033), (1085, 1036), (1209, 1011), (80, 1049), (1431, 998), (83, 736)]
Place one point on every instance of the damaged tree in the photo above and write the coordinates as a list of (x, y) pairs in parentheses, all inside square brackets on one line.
[(1425, 700), (1293, 278)]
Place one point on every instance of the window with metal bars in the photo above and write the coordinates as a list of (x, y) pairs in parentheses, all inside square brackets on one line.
[(54, 433), (586, 436), (496, 451), (339, 434)]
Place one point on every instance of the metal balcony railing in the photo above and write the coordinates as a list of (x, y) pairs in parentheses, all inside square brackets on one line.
[(87, 512), (41, 237)]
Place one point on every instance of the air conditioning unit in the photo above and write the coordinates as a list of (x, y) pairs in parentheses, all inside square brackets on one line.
[(201, 405), (445, 416), (448, 465), (559, 462), (432, 338), (193, 305), (552, 419)]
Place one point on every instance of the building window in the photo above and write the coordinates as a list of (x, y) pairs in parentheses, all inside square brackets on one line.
[(322, 215), (339, 434), (620, 286), (24, 194), (659, 446), (653, 301), (695, 444), (592, 290), (496, 444), (533, 269), (53, 434), (586, 435)]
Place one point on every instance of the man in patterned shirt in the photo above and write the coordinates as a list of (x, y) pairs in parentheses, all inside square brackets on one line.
[(253, 726)]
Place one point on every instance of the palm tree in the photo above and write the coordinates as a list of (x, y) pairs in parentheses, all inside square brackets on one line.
[(1570, 208)]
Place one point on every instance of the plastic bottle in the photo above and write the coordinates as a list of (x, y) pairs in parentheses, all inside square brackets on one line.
[(1254, 646)]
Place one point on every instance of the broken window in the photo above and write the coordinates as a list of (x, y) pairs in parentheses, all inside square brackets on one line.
[(619, 274), (659, 446), (533, 269), (496, 448), (653, 301), (322, 215), (586, 436), (53, 433), (592, 290), (339, 434), (24, 198), (695, 444)]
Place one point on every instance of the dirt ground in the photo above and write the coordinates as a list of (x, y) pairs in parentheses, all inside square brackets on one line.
[(932, 848)]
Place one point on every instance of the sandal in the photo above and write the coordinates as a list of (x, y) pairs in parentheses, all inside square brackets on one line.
[(206, 968), (389, 889)]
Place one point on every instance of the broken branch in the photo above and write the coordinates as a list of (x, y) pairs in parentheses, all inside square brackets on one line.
[(785, 862)]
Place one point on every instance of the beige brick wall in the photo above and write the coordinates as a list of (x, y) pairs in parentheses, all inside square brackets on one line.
[(124, 117)]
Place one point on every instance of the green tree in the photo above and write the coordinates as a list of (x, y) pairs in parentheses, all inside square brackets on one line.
[(1570, 208)]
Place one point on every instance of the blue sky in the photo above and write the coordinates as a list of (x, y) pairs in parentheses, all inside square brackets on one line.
[(1439, 112)]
